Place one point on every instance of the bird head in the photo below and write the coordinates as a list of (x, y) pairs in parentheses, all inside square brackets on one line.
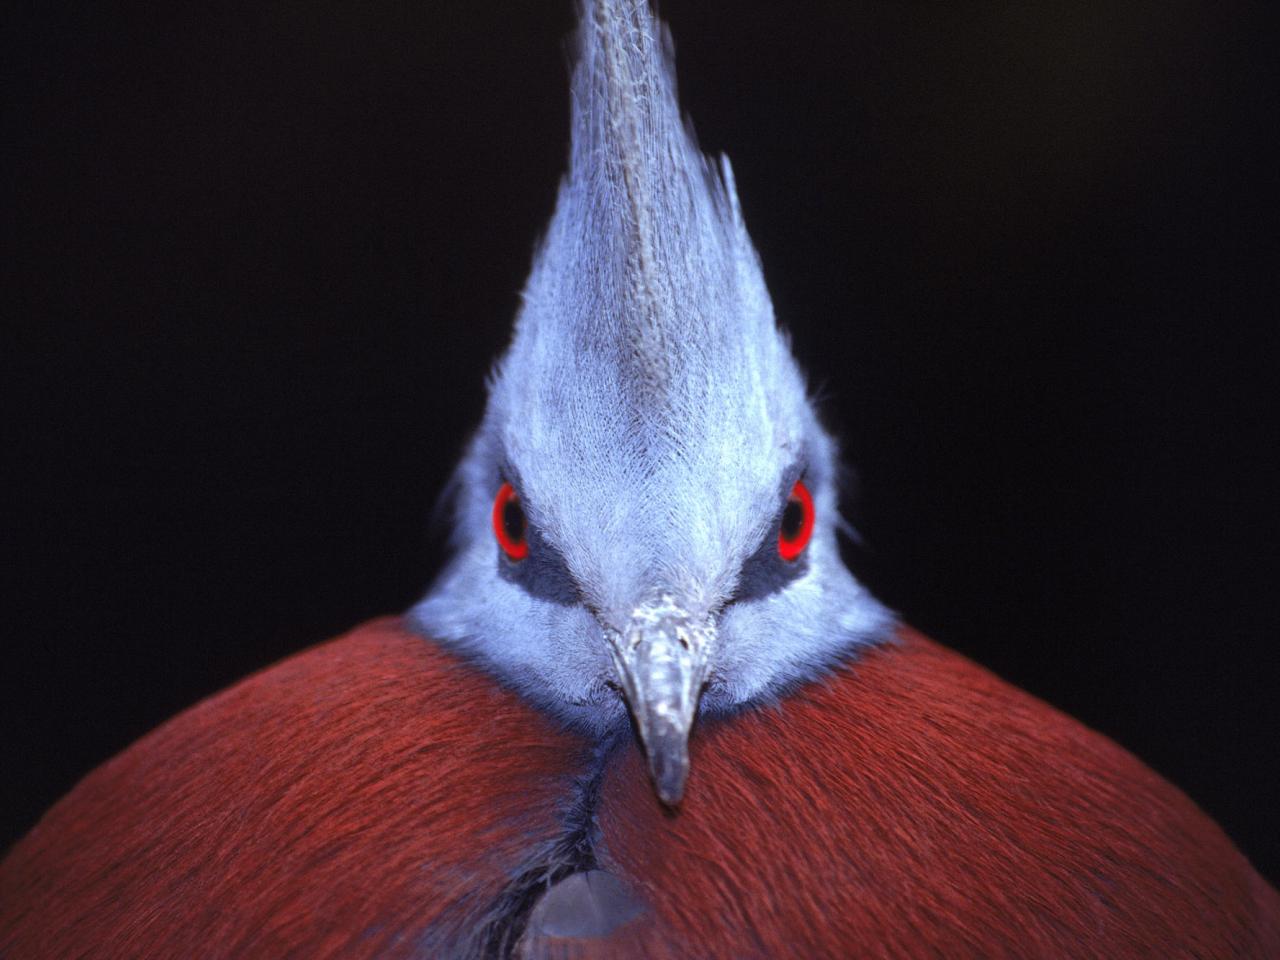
[(646, 519)]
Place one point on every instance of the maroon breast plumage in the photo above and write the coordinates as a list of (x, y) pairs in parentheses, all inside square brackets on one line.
[(353, 801), (377, 797)]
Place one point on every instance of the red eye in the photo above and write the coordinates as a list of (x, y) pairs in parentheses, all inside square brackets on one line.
[(509, 523), (797, 523)]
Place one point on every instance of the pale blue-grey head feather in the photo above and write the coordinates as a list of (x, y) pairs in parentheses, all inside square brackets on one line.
[(651, 416)]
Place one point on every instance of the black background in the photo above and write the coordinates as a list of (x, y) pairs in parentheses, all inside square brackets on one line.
[(260, 257)]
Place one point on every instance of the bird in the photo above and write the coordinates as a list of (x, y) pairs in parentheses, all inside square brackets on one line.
[(645, 710)]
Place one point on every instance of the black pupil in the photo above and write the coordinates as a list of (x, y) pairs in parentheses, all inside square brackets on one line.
[(792, 519), (513, 520)]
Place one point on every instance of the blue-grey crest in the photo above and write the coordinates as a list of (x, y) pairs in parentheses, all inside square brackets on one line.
[(652, 427)]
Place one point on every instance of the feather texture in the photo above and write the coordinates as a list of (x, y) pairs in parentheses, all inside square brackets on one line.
[(372, 797), (914, 805), (651, 416), (375, 797)]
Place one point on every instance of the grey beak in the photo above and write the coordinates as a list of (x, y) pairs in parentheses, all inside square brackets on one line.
[(661, 661)]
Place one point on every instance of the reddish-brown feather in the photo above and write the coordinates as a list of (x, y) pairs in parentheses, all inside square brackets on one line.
[(914, 805), (361, 799), (375, 796)]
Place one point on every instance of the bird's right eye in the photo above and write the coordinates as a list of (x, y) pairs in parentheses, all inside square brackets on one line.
[(797, 523), (509, 523)]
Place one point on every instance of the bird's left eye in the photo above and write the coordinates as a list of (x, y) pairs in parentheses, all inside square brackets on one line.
[(797, 522), (509, 524)]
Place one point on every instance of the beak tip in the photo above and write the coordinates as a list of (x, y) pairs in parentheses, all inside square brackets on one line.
[(669, 776), (671, 793)]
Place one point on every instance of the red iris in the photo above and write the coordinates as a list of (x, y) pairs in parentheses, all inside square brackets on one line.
[(797, 522), (509, 524)]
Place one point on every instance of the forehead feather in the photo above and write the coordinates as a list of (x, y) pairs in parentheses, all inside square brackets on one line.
[(646, 334), (648, 401)]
